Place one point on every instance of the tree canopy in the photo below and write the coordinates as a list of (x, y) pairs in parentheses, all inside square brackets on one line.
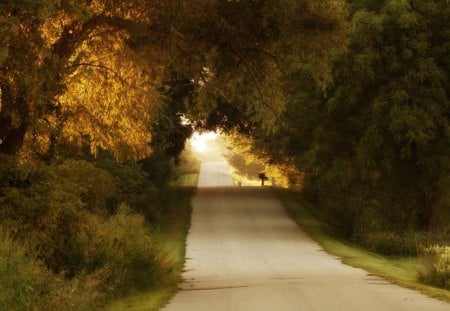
[(352, 95), (89, 72), (374, 144)]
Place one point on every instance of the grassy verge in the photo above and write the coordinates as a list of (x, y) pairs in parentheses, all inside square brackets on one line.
[(171, 238), (186, 180), (398, 270)]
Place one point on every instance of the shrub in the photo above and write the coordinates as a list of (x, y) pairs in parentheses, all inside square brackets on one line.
[(436, 260), (134, 262), (53, 209), (134, 188), (22, 277), (80, 248), (26, 284), (81, 293), (392, 243), (123, 247), (110, 256), (93, 185)]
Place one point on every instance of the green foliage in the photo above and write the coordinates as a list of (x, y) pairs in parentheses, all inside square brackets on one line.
[(22, 278), (391, 243), (11, 173), (134, 187), (437, 265), (88, 227), (92, 184), (77, 217), (26, 284), (121, 249), (374, 143), (171, 239), (53, 208)]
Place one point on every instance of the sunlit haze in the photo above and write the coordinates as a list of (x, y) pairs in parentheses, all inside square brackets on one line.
[(199, 141)]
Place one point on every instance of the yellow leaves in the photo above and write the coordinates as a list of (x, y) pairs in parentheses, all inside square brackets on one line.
[(109, 99), (53, 26), (281, 175)]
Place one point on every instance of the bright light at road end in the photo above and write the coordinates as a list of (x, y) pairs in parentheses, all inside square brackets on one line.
[(199, 141)]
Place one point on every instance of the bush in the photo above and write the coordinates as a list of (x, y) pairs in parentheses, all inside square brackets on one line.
[(436, 260), (134, 261), (26, 284), (92, 184), (84, 246), (134, 188), (392, 243), (53, 208), (109, 256), (22, 278), (123, 247)]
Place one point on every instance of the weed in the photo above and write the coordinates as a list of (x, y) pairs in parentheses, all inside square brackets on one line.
[(436, 260)]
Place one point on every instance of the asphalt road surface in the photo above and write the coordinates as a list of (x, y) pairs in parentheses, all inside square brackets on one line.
[(245, 253)]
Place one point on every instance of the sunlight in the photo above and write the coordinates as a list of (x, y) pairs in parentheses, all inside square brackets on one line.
[(199, 141)]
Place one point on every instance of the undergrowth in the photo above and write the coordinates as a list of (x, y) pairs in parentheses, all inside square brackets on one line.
[(77, 234)]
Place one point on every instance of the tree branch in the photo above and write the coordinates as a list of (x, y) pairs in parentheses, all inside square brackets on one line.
[(116, 74), (253, 76)]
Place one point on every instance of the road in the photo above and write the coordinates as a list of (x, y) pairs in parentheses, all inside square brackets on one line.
[(245, 253)]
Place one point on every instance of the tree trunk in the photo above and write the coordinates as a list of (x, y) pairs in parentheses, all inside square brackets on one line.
[(12, 135)]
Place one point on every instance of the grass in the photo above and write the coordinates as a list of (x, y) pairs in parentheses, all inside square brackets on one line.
[(402, 271), (171, 238), (186, 180)]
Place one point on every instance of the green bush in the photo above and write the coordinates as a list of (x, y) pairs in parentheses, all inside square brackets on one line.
[(110, 256), (53, 208), (26, 284), (392, 243), (123, 247), (81, 293), (22, 277), (92, 184), (89, 239), (134, 188), (436, 259)]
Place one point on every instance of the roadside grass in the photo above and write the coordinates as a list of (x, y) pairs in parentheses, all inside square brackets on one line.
[(402, 271), (170, 236), (186, 180), (187, 171)]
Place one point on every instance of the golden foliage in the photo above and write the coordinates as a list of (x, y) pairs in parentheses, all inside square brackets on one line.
[(280, 174), (109, 98)]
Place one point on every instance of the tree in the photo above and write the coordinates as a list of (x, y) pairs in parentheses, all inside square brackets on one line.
[(236, 51), (63, 51), (391, 103), (374, 145)]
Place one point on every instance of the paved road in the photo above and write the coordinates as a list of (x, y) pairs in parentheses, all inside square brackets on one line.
[(245, 253)]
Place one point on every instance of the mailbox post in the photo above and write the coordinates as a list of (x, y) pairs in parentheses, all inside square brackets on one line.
[(263, 177)]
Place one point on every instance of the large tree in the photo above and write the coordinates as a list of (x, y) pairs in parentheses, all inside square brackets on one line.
[(374, 144), (65, 59)]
